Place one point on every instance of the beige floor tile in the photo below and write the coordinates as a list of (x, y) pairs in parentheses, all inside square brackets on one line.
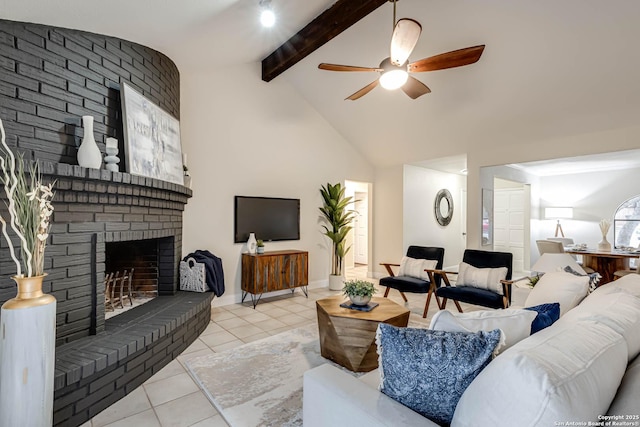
[(293, 319), (241, 309), (245, 331), (256, 317), (218, 338), (296, 307), (163, 391), (133, 403), (215, 421), (147, 419), (173, 368), (197, 345), (184, 358), (280, 330), (227, 346), (255, 337), (221, 315), (275, 311), (211, 328), (232, 323), (185, 411), (269, 325), (311, 315)]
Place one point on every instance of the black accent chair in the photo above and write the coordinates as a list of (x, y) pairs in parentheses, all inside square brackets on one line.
[(471, 295), (412, 284)]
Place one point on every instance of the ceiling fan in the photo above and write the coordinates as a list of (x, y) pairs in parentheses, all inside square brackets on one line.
[(394, 71)]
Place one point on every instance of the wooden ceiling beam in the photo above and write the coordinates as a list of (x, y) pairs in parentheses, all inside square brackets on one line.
[(333, 21)]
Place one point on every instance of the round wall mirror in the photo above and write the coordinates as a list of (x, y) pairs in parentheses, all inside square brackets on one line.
[(443, 207)]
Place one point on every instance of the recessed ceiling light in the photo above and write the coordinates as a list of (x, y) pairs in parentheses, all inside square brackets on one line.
[(267, 17)]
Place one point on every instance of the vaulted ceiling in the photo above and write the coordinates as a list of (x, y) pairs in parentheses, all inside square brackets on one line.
[(550, 69)]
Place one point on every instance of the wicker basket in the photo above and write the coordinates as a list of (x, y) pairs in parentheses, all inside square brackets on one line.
[(192, 276)]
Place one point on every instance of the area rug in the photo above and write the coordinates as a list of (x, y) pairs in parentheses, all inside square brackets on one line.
[(260, 383)]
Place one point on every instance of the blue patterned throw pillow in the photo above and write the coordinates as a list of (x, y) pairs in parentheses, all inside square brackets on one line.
[(427, 370), (547, 314)]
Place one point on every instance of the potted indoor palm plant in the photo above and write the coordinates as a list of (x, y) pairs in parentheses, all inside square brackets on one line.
[(338, 224)]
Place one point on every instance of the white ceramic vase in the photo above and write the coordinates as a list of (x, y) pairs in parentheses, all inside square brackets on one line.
[(89, 155), (604, 245), (252, 244)]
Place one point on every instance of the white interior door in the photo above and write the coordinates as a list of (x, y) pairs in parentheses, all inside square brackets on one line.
[(360, 241), (509, 224)]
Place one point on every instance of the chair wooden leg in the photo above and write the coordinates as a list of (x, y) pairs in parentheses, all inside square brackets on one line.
[(386, 292), (404, 297), (458, 306), (444, 304), (426, 306)]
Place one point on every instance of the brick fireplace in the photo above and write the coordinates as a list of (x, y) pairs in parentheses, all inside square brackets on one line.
[(49, 78)]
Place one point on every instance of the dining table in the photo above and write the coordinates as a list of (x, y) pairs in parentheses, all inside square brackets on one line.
[(605, 262)]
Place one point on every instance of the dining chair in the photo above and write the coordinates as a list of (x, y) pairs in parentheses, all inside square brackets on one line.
[(415, 280), (555, 245)]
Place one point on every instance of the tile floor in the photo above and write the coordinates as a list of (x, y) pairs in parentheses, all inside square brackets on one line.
[(172, 398)]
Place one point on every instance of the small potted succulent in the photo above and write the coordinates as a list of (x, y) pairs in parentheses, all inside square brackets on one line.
[(260, 246), (359, 291), (533, 280)]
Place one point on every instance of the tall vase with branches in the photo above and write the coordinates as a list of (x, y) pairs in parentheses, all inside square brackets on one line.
[(28, 321), (30, 209), (338, 219)]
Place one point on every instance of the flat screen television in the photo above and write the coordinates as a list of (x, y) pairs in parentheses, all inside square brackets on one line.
[(270, 218)]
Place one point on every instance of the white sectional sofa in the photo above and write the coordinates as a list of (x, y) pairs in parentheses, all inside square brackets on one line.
[(584, 368)]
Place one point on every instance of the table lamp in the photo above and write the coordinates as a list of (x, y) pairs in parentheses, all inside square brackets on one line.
[(558, 214)]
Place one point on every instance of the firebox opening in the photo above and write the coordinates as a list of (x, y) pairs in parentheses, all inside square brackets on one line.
[(136, 271)]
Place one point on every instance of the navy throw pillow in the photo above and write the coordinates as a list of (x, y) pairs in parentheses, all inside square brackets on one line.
[(429, 370), (547, 314)]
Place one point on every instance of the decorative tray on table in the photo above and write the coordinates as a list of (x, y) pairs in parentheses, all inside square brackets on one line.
[(367, 307)]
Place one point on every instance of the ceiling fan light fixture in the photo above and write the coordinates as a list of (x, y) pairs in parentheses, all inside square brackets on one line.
[(267, 16), (393, 79)]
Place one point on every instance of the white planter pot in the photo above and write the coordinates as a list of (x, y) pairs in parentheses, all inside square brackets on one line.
[(336, 282), (359, 300)]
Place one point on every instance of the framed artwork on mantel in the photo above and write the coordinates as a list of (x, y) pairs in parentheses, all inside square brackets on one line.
[(151, 138)]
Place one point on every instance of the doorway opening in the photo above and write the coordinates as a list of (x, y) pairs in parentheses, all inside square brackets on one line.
[(357, 260)]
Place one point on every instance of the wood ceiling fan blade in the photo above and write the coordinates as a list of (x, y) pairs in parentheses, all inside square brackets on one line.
[(405, 36), (414, 88), (365, 90), (456, 58), (338, 67)]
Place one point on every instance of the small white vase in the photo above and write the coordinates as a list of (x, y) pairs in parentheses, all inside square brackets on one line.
[(89, 155), (604, 245), (252, 244)]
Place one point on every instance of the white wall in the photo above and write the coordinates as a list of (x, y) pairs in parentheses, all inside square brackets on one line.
[(420, 227), (593, 196), (591, 143), (247, 137), (387, 217), (479, 157)]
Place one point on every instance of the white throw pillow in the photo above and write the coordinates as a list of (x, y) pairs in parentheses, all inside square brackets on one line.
[(483, 278), (570, 371), (414, 267), (558, 286), (515, 324)]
